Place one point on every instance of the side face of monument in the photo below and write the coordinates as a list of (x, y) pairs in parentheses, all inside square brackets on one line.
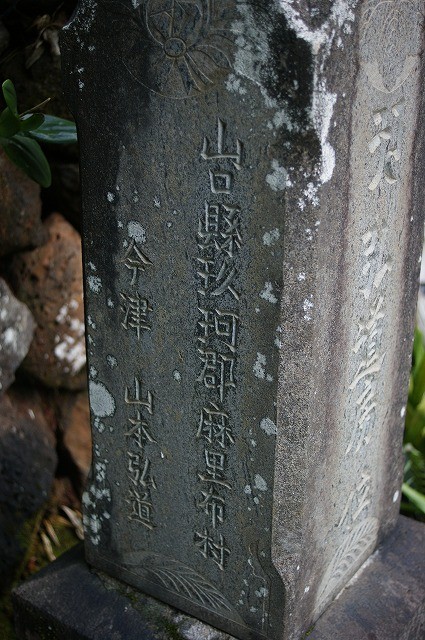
[(247, 195)]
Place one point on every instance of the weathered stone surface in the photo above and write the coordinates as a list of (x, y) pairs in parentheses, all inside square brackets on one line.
[(16, 332), (252, 227), (49, 281), (385, 601), (20, 209), (27, 465), (74, 427)]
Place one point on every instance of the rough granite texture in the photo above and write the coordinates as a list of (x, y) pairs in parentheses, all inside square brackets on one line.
[(49, 281), (20, 209), (252, 200), (384, 601), (16, 333)]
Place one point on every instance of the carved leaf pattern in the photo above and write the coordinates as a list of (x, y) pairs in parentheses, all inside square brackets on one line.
[(348, 557), (186, 582)]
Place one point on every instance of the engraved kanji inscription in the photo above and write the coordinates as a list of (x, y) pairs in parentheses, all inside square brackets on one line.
[(135, 260), (212, 547), (136, 310), (214, 426)]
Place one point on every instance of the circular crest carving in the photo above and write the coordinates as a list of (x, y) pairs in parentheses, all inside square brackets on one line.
[(179, 49), (390, 42)]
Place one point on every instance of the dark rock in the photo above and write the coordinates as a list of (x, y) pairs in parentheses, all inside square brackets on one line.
[(16, 332), (65, 192), (27, 465), (49, 280), (20, 209), (75, 433)]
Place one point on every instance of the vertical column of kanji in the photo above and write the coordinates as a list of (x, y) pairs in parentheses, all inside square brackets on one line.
[(219, 239), (383, 138)]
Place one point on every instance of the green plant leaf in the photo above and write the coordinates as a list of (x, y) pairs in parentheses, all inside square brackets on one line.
[(415, 497), (28, 123), (28, 155), (418, 383), (9, 95), (9, 124), (56, 131)]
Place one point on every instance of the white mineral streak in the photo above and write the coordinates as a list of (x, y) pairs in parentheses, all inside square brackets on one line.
[(98, 493), (321, 41), (252, 50), (259, 366)]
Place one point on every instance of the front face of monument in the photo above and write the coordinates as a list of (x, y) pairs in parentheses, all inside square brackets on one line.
[(201, 162)]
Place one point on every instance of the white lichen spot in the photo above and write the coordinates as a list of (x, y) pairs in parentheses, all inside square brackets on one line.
[(112, 361), (72, 350), (278, 179), (92, 266), (93, 372), (307, 589), (271, 237), (278, 343), (262, 592), (110, 303), (256, 500), (10, 338), (95, 283), (247, 490), (267, 293), (301, 276), (268, 426), (177, 375), (307, 306), (259, 366), (269, 378), (257, 309), (311, 194), (260, 483), (233, 84), (136, 231), (110, 196), (157, 202), (91, 322), (395, 496), (102, 402)]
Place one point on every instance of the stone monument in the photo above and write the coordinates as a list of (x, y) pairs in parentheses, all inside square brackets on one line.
[(252, 195)]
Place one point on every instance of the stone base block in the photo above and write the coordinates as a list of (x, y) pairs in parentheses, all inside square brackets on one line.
[(69, 601)]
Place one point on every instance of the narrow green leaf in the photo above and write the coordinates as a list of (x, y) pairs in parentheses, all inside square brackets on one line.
[(9, 124), (56, 131), (418, 383), (415, 425), (415, 497), (28, 123), (9, 95), (28, 156)]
